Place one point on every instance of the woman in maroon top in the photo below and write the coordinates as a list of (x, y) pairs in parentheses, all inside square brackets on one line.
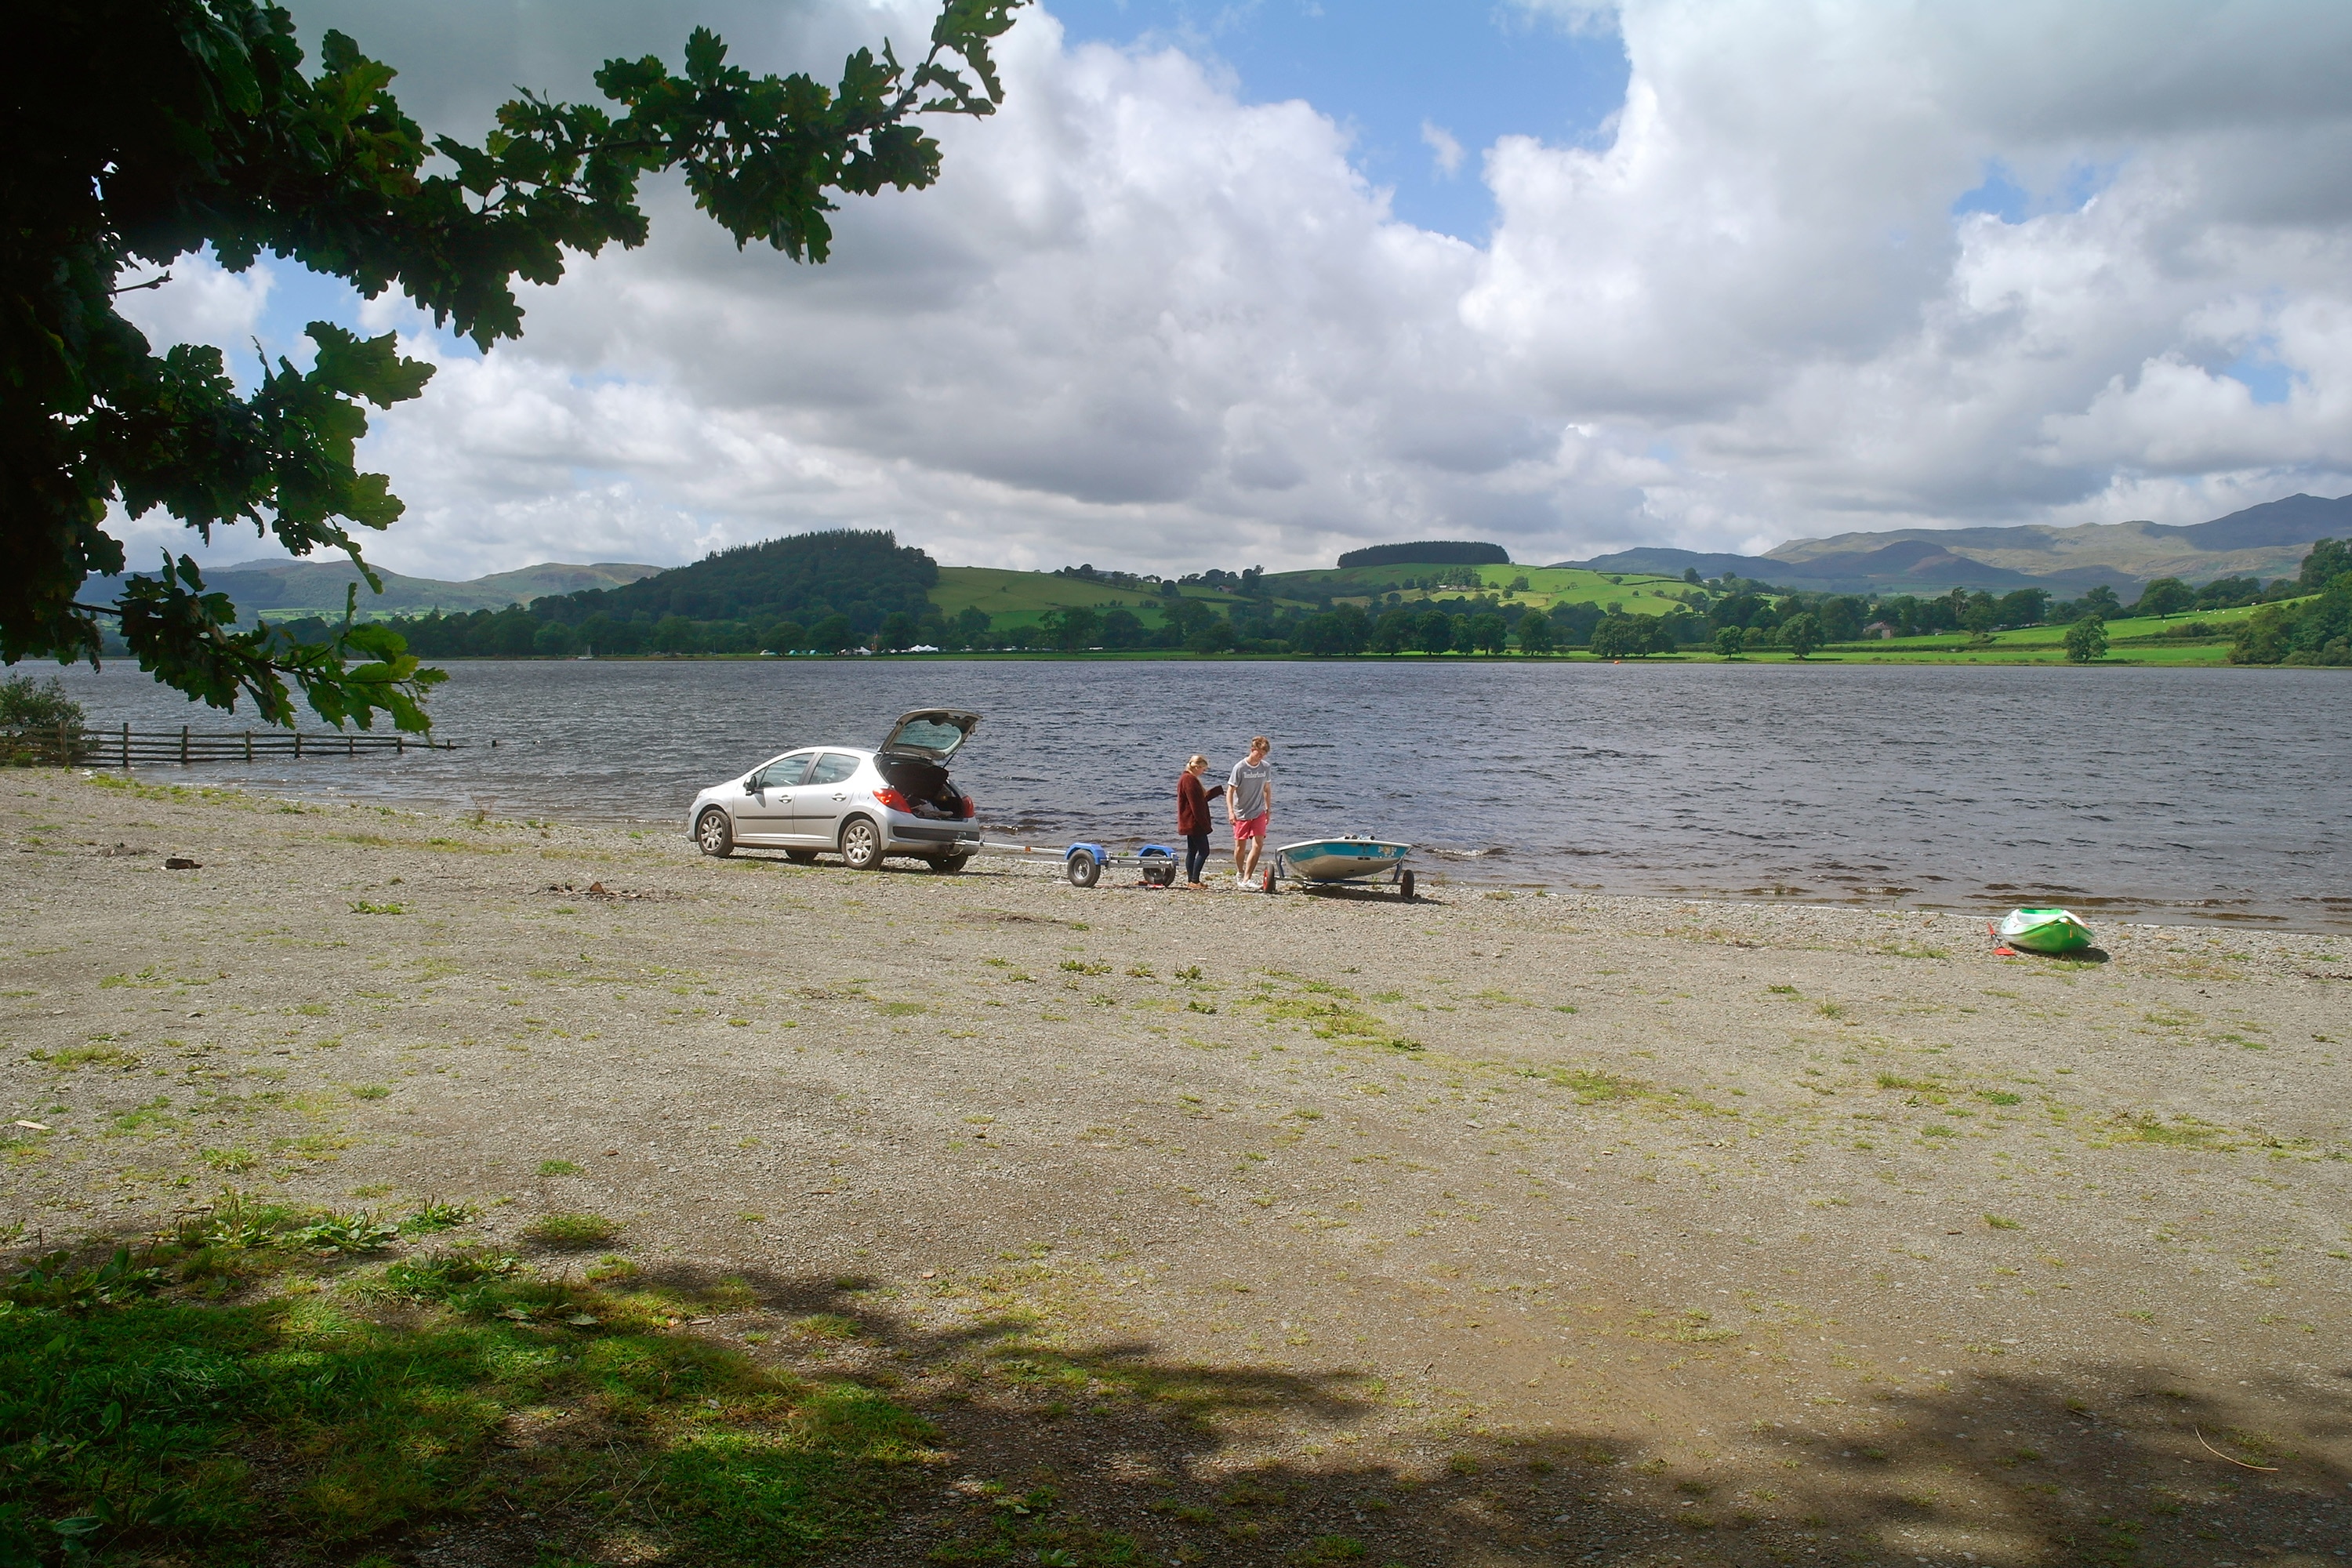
[(1193, 816)]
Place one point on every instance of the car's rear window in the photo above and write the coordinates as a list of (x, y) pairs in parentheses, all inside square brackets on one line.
[(929, 735), (833, 767)]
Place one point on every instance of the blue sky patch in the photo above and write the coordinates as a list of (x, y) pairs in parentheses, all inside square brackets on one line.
[(1403, 75)]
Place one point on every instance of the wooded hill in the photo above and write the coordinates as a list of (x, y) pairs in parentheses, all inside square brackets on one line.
[(805, 578)]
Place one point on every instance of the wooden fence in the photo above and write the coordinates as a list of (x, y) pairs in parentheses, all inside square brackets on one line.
[(67, 746)]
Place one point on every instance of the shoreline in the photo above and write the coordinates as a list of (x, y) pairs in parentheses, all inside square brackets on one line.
[(1786, 1214), (1440, 869)]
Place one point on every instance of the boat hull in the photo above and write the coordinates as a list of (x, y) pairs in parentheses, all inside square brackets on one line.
[(1341, 859)]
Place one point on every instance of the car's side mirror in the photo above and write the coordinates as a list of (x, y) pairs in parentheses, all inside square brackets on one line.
[(752, 785)]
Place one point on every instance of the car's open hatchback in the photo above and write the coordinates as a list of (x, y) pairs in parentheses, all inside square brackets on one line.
[(929, 734)]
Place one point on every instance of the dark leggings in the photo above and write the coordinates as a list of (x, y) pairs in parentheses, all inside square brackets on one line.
[(1196, 854)]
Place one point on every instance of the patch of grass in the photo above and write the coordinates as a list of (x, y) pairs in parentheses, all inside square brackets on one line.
[(2180, 1132), (571, 1232), (1084, 966), (907, 1009), (1593, 1087), (65, 1058), (436, 1217), (370, 1091), (1999, 1222), (360, 1232), (558, 1168), (163, 1430), (1998, 1097), (364, 908)]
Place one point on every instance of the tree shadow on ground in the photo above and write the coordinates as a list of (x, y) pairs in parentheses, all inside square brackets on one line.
[(1115, 1452), (1035, 1445)]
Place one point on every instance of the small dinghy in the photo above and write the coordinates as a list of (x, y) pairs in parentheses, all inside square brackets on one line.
[(2043, 930), (1348, 860)]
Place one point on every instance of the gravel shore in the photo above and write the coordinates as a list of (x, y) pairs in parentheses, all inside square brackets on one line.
[(1500, 1229)]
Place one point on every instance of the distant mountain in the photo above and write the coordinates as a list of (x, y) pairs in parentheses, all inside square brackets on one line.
[(2265, 541), (278, 587)]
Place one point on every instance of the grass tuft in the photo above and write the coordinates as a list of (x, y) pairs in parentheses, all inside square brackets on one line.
[(571, 1232)]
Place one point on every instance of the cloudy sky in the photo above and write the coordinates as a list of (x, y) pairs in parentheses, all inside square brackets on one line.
[(1254, 282)]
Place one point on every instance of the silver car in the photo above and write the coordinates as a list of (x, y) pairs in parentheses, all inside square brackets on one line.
[(860, 805)]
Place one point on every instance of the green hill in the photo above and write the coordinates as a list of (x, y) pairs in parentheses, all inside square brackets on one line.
[(1018, 598), (805, 578), (283, 590)]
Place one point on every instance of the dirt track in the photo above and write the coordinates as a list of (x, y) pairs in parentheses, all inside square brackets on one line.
[(1759, 1233)]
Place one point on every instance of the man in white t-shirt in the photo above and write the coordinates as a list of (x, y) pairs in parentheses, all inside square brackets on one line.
[(1249, 801)]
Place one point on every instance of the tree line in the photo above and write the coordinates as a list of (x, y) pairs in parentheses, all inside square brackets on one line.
[(889, 614), (2318, 630)]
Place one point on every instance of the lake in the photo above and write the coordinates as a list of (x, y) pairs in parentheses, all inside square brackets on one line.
[(2211, 795)]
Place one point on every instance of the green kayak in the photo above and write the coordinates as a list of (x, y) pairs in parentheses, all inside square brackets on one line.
[(2045, 931)]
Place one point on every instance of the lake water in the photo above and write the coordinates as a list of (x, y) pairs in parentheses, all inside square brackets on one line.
[(2203, 793)]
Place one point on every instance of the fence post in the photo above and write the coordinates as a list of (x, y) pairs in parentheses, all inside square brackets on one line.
[(351, 745), (65, 755), (298, 743), (183, 745), (126, 749), (248, 745)]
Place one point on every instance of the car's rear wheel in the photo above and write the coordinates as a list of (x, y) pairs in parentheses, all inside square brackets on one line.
[(948, 864), (714, 834), (861, 844), (801, 857)]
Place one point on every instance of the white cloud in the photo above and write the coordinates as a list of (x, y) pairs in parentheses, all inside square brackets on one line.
[(1444, 147), (1140, 321), (196, 301)]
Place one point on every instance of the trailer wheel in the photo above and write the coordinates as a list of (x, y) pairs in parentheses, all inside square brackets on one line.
[(1082, 870), (1159, 871), (1404, 885)]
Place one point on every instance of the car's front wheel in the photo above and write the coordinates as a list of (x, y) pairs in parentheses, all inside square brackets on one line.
[(861, 844), (714, 834)]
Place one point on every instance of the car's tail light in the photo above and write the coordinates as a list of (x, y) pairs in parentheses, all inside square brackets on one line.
[(967, 810), (890, 798)]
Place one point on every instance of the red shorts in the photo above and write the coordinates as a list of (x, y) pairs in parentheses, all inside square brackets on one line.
[(1252, 828)]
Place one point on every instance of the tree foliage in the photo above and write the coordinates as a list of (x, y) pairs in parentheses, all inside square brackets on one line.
[(1800, 634), (140, 131), (2086, 640), (866, 575)]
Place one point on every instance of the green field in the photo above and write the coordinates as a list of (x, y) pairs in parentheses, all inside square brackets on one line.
[(2133, 641), (1635, 591), (1018, 598)]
